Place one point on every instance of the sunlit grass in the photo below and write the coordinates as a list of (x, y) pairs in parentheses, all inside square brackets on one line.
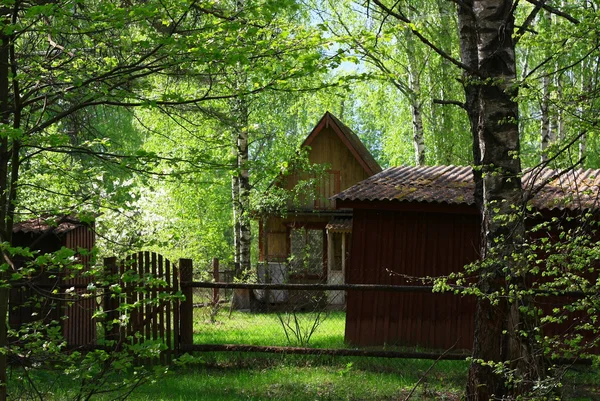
[(266, 328), (247, 376), (261, 377), (225, 376)]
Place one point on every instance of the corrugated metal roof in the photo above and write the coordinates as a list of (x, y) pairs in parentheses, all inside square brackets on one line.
[(340, 225), (44, 224), (551, 189)]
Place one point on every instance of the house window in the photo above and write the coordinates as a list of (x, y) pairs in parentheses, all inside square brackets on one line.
[(306, 251)]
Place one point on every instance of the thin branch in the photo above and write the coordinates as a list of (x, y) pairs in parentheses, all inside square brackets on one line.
[(540, 167), (428, 370), (528, 21), (450, 102), (426, 41), (554, 10)]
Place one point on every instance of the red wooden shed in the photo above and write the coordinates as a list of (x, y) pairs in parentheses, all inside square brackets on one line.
[(414, 222), (49, 235)]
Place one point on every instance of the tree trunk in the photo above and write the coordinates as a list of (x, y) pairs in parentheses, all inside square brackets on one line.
[(418, 137), (5, 201), (585, 87), (244, 186), (242, 299), (469, 56), (414, 85), (558, 134), (545, 118), (496, 336), (440, 120), (545, 124), (235, 200)]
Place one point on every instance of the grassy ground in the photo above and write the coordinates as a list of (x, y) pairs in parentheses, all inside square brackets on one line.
[(267, 329), (227, 376), (236, 376), (261, 377)]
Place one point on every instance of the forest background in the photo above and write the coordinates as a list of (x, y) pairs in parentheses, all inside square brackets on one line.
[(158, 173)]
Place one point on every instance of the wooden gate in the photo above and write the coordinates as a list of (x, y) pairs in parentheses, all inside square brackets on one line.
[(148, 302)]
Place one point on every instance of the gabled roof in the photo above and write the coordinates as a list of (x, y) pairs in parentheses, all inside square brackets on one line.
[(348, 138), (549, 189)]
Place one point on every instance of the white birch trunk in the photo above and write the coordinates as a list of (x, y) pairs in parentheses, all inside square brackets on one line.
[(242, 299), (559, 133), (235, 201), (545, 127), (414, 84), (555, 120), (545, 118), (244, 188), (439, 115), (498, 325), (585, 88), (582, 146)]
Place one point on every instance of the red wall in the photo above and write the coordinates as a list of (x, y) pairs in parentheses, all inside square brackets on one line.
[(390, 245)]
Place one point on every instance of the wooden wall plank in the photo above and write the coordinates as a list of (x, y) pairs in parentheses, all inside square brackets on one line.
[(415, 245)]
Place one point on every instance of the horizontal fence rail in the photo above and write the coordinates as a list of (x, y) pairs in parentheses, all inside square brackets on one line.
[(324, 351), (357, 287), (423, 326), (309, 287)]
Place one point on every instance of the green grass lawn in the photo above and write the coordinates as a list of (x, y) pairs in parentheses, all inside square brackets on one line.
[(236, 376), (268, 377), (266, 328), (216, 376)]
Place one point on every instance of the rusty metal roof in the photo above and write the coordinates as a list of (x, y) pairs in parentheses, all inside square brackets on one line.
[(453, 185), (43, 224), (340, 225)]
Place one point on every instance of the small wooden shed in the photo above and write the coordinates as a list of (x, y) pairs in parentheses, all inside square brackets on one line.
[(49, 235), (310, 244), (413, 222)]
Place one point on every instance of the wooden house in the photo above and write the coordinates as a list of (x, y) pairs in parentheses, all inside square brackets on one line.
[(413, 222), (311, 242), (46, 236)]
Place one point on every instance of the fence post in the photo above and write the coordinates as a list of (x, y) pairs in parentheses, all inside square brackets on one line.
[(186, 307), (215, 264), (111, 304)]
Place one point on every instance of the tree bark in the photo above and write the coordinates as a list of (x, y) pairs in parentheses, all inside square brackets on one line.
[(585, 87), (545, 118), (414, 85), (236, 206), (5, 199), (469, 57), (440, 119), (244, 186), (546, 128), (496, 338), (242, 299)]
